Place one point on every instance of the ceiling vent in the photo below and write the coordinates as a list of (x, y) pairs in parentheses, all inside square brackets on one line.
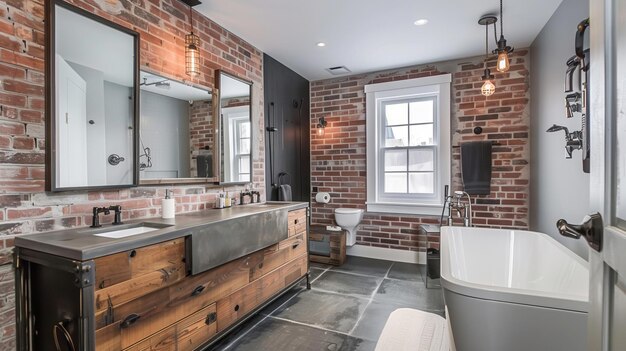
[(338, 70)]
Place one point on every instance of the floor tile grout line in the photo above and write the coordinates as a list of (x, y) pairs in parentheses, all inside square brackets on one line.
[(371, 299), (309, 325), (361, 297), (263, 319)]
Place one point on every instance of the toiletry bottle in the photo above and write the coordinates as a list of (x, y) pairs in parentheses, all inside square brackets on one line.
[(227, 200), (168, 205), (222, 200), (217, 201)]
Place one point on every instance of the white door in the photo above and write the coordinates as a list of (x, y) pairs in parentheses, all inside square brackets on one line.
[(71, 126), (607, 267)]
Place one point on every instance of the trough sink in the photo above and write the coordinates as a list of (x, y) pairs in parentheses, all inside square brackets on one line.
[(221, 242)]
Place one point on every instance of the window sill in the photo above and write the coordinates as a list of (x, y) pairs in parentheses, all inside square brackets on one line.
[(412, 209)]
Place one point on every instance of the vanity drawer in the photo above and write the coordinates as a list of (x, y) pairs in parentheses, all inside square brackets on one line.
[(123, 266), (186, 335), (245, 300), (297, 222), (279, 254), (142, 317)]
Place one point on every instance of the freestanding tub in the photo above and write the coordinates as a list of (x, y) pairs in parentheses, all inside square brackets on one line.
[(511, 290)]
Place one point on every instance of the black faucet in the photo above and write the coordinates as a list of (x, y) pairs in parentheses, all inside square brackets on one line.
[(95, 221), (243, 194), (254, 193), (118, 214)]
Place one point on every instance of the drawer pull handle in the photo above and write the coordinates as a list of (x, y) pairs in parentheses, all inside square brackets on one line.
[(236, 308), (295, 246), (296, 221), (211, 318), (197, 290), (130, 320), (133, 253)]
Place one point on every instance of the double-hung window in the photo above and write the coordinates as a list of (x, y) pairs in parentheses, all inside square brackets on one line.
[(408, 145)]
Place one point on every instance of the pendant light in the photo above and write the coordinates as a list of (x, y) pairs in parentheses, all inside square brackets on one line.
[(503, 50), (488, 87), (192, 50)]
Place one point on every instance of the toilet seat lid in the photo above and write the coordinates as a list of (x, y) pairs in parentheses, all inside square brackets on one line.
[(348, 210)]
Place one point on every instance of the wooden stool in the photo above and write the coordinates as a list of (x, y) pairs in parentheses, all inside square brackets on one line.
[(327, 246)]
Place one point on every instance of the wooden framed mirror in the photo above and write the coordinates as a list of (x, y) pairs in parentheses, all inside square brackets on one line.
[(92, 105), (235, 128), (178, 138)]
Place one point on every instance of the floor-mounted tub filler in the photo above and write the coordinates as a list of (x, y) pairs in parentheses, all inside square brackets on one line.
[(513, 290)]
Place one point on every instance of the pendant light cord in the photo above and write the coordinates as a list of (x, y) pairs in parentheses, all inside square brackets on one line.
[(486, 44), (191, 17), (501, 20)]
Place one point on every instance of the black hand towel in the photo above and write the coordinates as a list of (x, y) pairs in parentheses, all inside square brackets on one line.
[(284, 192), (476, 167)]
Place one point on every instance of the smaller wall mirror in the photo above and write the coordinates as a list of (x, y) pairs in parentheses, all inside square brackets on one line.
[(177, 139), (235, 109), (91, 103)]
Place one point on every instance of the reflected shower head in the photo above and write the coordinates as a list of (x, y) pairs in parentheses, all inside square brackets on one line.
[(556, 128), (458, 193)]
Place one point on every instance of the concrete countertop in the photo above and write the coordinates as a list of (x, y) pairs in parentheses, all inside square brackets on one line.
[(81, 243)]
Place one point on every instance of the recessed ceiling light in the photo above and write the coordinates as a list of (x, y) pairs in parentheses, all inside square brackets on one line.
[(321, 44), (420, 22)]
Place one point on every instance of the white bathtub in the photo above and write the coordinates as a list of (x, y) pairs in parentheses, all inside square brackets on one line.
[(510, 290)]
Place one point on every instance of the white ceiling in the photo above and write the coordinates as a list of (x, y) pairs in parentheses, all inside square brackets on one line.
[(370, 35)]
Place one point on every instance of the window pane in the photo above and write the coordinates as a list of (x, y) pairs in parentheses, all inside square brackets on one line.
[(244, 164), (421, 160), (421, 183), (422, 134), (397, 136), (244, 130), (395, 160), (395, 183), (396, 114), (244, 146), (421, 111)]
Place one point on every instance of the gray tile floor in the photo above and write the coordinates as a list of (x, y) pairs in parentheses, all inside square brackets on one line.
[(345, 310)]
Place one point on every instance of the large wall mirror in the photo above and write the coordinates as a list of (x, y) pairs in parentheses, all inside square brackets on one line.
[(91, 105), (177, 138), (235, 109)]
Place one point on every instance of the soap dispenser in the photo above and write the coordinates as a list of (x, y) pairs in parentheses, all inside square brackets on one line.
[(168, 207)]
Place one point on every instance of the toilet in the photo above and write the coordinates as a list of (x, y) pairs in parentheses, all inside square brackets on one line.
[(349, 219)]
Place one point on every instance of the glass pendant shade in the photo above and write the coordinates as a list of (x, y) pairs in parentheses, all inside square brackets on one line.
[(488, 88), (320, 131), (503, 64), (192, 54)]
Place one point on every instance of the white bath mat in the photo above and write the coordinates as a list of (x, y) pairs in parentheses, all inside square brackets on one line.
[(413, 330)]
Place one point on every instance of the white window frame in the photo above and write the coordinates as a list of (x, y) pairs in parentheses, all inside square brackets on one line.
[(376, 94)]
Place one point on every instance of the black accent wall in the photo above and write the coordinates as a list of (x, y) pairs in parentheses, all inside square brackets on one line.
[(287, 150)]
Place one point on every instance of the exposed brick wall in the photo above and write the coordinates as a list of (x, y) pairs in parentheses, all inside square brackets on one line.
[(338, 159), (24, 206)]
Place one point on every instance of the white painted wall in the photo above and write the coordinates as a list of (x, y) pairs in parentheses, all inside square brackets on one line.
[(559, 188)]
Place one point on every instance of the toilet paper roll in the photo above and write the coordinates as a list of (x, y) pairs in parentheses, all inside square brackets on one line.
[(323, 198)]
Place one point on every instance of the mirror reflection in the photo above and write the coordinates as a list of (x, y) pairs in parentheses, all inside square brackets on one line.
[(177, 130), (94, 103), (236, 129)]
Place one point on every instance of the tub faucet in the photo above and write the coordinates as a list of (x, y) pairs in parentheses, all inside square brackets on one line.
[(462, 209)]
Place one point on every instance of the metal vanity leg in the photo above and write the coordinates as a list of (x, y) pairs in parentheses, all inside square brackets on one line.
[(308, 281)]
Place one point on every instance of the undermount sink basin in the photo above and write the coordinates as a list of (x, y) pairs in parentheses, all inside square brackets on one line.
[(140, 228)]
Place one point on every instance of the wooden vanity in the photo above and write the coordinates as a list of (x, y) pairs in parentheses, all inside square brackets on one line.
[(145, 297)]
